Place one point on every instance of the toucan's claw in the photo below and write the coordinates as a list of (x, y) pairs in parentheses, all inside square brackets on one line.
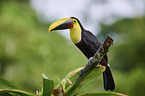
[(89, 61), (81, 71)]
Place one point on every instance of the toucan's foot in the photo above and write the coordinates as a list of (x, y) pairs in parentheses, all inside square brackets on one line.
[(86, 65), (81, 71), (89, 61)]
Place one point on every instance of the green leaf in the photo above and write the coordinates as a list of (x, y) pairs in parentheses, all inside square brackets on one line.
[(48, 86), (5, 94), (84, 80), (9, 89), (102, 94), (6, 83), (17, 92), (69, 79), (76, 86)]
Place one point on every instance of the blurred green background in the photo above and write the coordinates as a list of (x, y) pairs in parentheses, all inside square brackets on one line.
[(27, 50)]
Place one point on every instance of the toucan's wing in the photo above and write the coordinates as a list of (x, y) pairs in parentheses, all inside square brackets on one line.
[(90, 41)]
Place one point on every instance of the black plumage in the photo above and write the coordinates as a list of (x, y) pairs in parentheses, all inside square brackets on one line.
[(89, 44)]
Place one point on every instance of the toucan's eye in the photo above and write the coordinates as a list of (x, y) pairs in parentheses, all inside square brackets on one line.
[(75, 21)]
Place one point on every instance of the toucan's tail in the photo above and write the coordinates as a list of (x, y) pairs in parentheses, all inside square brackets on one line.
[(108, 79)]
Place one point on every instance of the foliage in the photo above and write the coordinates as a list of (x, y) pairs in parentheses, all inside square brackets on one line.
[(65, 87), (27, 50), (9, 89)]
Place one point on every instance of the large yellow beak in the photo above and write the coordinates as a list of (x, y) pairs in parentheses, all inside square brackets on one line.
[(65, 23)]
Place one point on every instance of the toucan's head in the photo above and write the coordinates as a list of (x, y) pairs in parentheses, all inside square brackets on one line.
[(71, 23)]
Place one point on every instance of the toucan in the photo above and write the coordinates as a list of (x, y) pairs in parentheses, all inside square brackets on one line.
[(87, 43)]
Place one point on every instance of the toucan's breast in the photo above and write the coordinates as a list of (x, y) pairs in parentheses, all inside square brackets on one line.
[(83, 47)]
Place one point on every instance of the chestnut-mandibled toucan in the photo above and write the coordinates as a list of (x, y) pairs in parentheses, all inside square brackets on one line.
[(87, 43)]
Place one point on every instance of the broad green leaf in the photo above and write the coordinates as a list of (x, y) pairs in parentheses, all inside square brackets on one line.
[(5, 94), (69, 79), (48, 86), (6, 83), (102, 94), (84, 80), (76, 86), (72, 76), (17, 92), (8, 89)]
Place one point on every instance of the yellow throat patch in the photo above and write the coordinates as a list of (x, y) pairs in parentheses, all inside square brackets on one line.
[(75, 32)]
